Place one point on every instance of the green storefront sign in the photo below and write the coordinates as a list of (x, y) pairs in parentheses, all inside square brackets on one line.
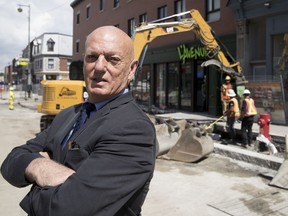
[(191, 52)]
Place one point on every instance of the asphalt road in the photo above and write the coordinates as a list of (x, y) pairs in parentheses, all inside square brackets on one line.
[(215, 186)]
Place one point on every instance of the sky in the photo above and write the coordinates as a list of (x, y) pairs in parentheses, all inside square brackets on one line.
[(45, 16)]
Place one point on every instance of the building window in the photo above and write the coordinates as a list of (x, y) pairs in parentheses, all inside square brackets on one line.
[(78, 18), (77, 46), (179, 7), (50, 63), (51, 77), (116, 3), (36, 47), (143, 18), (131, 26), (162, 12), (88, 11), (41, 64), (213, 10), (101, 5), (50, 45)]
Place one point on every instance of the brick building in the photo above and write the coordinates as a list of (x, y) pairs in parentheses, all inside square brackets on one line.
[(166, 81)]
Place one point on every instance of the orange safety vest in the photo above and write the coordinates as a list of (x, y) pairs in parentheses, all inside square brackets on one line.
[(224, 90), (236, 110), (250, 107)]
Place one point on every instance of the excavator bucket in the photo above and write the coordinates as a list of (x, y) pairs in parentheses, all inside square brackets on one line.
[(181, 140), (168, 132), (281, 178), (191, 146)]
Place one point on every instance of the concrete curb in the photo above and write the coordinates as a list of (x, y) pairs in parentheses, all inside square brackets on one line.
[(267, 161), (32, 107), (279, 140)]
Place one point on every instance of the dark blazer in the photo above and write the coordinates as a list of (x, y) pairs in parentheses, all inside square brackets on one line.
[(113, 155)]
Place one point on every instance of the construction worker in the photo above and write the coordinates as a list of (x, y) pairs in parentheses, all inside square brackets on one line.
[(248, 111), (226, 86), (233, 113), (11, 98)]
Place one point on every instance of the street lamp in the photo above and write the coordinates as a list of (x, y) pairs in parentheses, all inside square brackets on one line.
[(29, 83)]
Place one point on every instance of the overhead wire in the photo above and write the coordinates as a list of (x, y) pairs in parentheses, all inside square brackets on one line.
[(52, 9)]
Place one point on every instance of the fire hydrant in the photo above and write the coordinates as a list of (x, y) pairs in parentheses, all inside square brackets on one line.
[(264, 137), (264, 122), (11, 98)]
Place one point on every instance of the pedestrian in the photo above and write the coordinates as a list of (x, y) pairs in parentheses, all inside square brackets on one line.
[(225, 87), (248, 112), (103, 168), (232, 113), (11, 98)]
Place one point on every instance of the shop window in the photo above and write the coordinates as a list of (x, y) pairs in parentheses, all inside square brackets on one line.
[(259, 73), (51, 77), (50, 45), (161, 86), (200, 94), (280, 54), (186, 86), (142, 90), (173, 85), (162, 12), (280, 59), (213, 10)]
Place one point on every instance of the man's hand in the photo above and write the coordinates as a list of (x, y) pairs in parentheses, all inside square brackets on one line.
[(46, 172), (44, 154)]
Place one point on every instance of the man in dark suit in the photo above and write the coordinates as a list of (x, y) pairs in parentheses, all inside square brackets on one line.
[(104, 167)]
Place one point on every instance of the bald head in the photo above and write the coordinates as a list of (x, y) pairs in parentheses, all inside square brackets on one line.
[(109, 63), (112, 34)]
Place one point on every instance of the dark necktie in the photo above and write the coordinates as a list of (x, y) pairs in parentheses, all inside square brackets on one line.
[(86, 110)]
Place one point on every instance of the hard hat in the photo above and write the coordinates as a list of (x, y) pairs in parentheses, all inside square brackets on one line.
[(227, 78), (231, 93), (11, 88), (246, 92)]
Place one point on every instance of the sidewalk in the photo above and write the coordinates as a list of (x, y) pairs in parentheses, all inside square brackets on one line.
[(250, 155), (21, 99), (277, 133)]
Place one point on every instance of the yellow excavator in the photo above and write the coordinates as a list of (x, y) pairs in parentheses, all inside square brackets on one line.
[(147, 32), (177, 140)]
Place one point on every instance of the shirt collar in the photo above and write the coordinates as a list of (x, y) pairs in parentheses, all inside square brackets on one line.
[(103, 103)]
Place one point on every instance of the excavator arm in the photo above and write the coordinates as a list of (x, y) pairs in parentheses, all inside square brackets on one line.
[(147, 32)]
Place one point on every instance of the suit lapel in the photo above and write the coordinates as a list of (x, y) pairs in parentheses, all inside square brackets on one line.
[(105, 110)]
